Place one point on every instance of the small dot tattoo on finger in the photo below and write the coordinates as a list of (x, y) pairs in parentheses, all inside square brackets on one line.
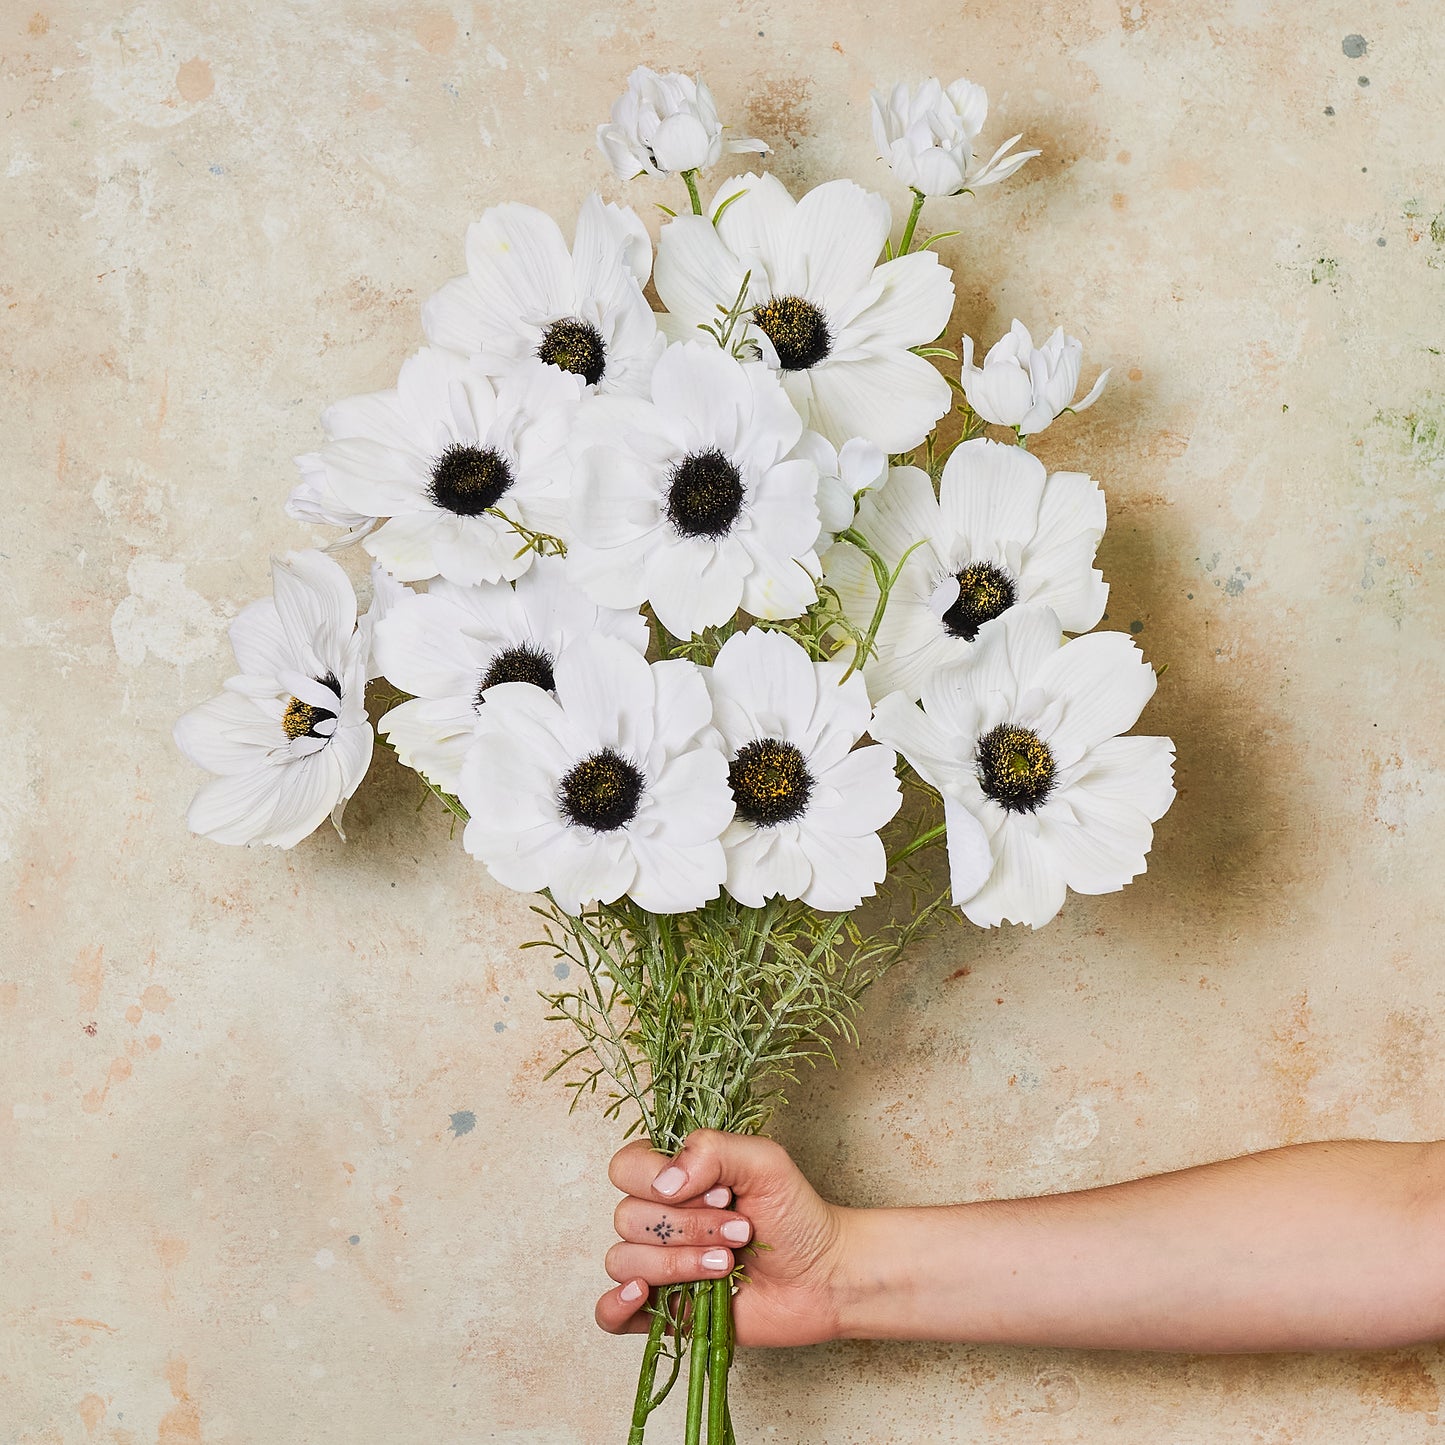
[(662, 1229)]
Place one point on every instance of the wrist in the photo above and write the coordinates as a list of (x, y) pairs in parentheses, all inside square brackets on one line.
[(872, 1291)]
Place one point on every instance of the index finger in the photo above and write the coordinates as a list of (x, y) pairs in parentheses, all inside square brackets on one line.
[(635, 1167)]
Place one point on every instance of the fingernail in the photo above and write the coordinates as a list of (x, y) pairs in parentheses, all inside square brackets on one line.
[(631, 1291), (715, 1259), (737, 1230), (718, 1197), (669, 1181)]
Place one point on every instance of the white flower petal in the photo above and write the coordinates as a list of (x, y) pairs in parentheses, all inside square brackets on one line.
[(1104, 683), (227, 734), (1135, 770), (839, 228), (695, 273), (1102, 849), (756, 229), (676, 880), (911, 309), (892, 397), (1008, 652), (1024, 886), (845, 870), (990, 493)]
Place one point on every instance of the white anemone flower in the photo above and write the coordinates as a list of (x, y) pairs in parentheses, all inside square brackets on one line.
[(836, 325), (526, 298), (809, 803), (1001, 533), (313, 501), (453, 461), (1040, 793), (663, 125), (288, 740), (1026, 386), (690, 502), (449, 645), (927, 137), (844, 474), (617, 784)]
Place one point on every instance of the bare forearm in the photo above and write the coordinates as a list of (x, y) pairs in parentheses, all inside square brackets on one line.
[(1311, 1247)]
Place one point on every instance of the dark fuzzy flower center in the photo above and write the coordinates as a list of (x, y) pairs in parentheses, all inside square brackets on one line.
[(300, 718), (704, 495), (522, 663), (770, 782), (469, 480), (984, 592), (798, 330), (575, 346), (1015, 768), (601, 792)]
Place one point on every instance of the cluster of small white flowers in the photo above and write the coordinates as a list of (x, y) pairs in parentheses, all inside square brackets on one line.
[(560, 469)]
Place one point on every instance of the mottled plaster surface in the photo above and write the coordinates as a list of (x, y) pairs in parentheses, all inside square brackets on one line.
[(277, 1159)]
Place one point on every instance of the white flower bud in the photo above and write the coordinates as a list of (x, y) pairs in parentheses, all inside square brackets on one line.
[(927, 138), (664, 124), (1024, 386)]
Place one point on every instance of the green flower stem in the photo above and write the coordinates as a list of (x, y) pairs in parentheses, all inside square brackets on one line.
[(719, 1357), (917, 845), (907, 241), (697, 1362), (689, 179), (643, 1404), (884, 579)]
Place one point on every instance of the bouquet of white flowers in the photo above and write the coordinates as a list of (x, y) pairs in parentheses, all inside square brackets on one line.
[(645, 581)]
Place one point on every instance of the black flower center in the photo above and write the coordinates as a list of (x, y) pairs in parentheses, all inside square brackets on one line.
[(704, 495), (300, 718), (469, 480), (798, 330), (984, 592), (522, 663), (601, 792), (1015, 767), (770, 782), (575, 346)]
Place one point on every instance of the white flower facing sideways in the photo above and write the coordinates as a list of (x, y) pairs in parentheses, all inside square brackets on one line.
[(834, 324), (663, 125), (689, 501), (809, 803), (289, 739), (927, 136), (1040, 794), (616, 784), (844, 473), (1026, 386), (452, 461), (450, 644), (527, 298), (1001, 533)]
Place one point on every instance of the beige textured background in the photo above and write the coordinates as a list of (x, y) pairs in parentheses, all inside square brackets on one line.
[(236, 1205)]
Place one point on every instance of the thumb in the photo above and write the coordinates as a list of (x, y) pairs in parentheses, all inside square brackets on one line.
[(742, 1163)]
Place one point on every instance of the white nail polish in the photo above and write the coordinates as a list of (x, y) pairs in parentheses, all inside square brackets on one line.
[(715, 1259), (737, 1230), (631, 1291), (669, 1181), (718, 1197)]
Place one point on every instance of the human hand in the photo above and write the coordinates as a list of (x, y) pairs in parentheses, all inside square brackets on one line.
[(687, 1218)]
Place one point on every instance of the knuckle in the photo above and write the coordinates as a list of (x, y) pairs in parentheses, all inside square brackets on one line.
[(611, 1261), (621, 1166), (619, 1218)]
